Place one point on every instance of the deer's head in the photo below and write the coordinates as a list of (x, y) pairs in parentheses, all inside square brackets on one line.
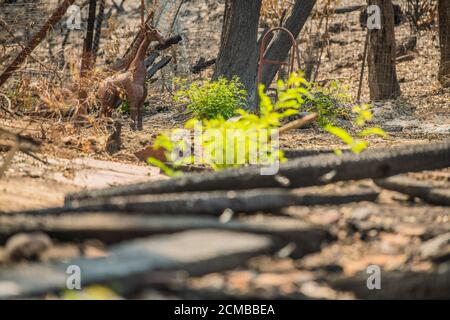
[(154, 34)]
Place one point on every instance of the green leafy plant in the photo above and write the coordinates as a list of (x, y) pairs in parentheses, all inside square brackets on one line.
[(328, 102), (362, 115), (212, 99), (252, 132), (92, 292), (249, 128)]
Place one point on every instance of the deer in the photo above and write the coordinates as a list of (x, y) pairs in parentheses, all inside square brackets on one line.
[(130, 82)]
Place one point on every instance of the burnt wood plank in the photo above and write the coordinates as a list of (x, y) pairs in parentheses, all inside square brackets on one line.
[(439, 195), (196, 252), (116, 227), (300, 172)]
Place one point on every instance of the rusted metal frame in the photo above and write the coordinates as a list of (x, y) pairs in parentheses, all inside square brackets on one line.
[(293, 53), (34, 42)]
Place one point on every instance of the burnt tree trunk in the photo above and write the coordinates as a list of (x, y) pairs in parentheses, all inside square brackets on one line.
[(98, 29), (383, 81), (281, 44), (444, 39), (239, 42), (87, 57), (239, 53)]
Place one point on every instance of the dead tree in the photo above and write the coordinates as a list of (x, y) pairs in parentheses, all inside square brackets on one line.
[(239, 51), (444, 39), (238, 42), (280, 46), (98, 27), (383, 81)]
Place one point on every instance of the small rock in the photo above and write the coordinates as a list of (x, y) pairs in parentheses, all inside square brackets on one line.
[(436, 249), (361, 214), (27, 245)]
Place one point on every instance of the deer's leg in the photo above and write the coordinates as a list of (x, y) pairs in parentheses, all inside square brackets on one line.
[(139, 114), (133, 102), (141, 106)]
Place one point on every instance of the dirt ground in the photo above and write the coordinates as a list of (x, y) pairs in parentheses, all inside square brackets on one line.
[(391, 232)]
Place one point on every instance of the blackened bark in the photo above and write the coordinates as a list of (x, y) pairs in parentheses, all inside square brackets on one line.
[(301, 172), (86, 62), (383, 81), (444, 39), (98, 27), (281, 44), (239, 42)]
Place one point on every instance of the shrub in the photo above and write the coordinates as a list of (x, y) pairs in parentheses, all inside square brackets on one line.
[(361, 114), (290, 99), (329, 102), (213, 99)]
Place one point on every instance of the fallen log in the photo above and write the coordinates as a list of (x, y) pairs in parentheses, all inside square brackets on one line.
[(202, 64), (151, 71), (127, 261), (35, 40), (169, 42), (26, 143), (155, 54), (151, 58), (300, 172), (432, 284), (116, 227), (296, 124), (297, 153), (216, 202), (13, 143), (416, 188)]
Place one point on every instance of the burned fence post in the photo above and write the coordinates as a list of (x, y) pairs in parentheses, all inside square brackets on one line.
[(87, 55)]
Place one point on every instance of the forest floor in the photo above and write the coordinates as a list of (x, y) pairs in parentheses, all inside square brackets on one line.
[(390, 232)]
